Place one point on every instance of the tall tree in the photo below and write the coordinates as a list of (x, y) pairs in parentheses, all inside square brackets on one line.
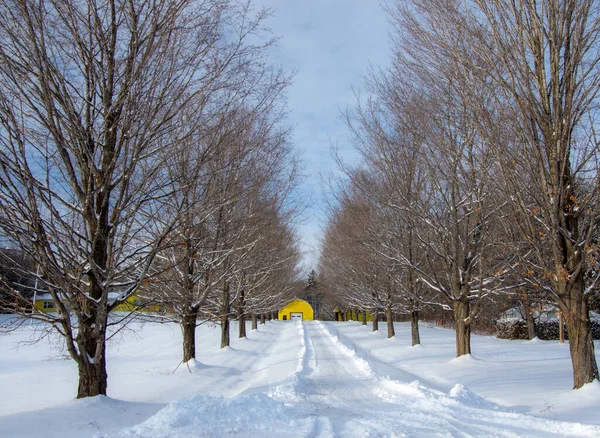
[(313, 294), (538, 63), (544, 57), (89, 93)]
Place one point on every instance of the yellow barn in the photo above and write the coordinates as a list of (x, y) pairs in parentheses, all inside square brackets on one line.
[(296, 310)]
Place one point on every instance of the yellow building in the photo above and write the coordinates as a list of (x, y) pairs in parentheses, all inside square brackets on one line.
[(350, 315), (44, 303), (131, 304), (296, 310), (134, 303)]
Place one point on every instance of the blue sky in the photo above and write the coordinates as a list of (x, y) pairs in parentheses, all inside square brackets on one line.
[(330, 44)]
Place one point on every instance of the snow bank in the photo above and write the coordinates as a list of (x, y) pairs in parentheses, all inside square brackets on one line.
[(474, 414), (464, 395), (465, 359), (459, 397), (77, 418), (350, 352), (590, 390), (311, 379), (287, 391), (191, 366), (200, 416)]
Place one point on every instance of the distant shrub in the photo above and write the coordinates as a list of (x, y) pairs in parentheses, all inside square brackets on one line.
[(484, 326), (547, 330), (511, 329)]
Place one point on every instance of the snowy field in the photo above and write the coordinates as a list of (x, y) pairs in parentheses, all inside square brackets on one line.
[(316, 379)]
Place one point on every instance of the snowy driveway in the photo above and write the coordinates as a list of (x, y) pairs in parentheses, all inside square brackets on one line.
[(315, 379), (335, 393), (346, 398)]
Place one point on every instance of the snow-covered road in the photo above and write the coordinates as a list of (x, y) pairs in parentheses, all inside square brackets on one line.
[(337, 388), (344, 397), (311, 379), (337, 392)]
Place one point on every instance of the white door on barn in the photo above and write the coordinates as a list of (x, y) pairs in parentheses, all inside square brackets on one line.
[(296, 316)]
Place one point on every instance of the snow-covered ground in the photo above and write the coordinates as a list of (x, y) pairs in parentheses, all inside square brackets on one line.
[(286, 379)]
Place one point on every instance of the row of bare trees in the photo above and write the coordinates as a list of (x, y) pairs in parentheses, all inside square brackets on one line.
[(479, 170), (231, 249), (142, 153)]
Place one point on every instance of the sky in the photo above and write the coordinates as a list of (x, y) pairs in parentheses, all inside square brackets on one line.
[(330, 44)]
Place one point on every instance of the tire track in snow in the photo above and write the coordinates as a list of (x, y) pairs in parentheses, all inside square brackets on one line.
[(265, 372), (286, 391), (335, 391), (309, 362), (336, 388)]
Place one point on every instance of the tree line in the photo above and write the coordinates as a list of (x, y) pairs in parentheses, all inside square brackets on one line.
[(478, 172), (143, 153)]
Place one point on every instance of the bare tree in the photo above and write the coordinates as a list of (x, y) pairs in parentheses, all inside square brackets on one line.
[(537, 63), (359, 277), (88, 97), (418, 134), (544, 56), (210, 173), (269, 270), (391, 152)]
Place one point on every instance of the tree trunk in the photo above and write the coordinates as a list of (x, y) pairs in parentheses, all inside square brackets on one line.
[(390, 322), (91, 342), (224, 331), (254, 322), (463, 328), (375, 320), (91, 338), (188, 327), (561, 329), (242, 315), (262, 319), (573, 302), (242, 327), (364, 321), (414, 327), (92, 378), (225, 308), (581, 344), (529, 319)]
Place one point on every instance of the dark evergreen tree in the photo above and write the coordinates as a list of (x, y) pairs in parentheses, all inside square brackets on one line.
[(314, 297)]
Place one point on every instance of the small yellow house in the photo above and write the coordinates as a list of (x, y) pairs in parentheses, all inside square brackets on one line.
[(296, 310), (131, 304), (44, 303)]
